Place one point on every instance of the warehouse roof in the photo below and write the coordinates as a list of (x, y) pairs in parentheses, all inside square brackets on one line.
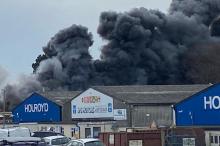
[(60, 97), (151, 94), (135, 94)]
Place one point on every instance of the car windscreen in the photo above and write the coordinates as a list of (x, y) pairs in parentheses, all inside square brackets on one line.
[(94, 143), (59, 141), (45, 134)]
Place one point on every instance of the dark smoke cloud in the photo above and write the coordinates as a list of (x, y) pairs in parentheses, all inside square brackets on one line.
[(148, 45), (67, 64), (202, 10), (142, 47), (202, 63), (215, 27)]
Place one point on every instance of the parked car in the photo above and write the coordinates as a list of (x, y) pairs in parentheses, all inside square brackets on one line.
[(43, 134), (85, 142), (56, 140), (22, 141)]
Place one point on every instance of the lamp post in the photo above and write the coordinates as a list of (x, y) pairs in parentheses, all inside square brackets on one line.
[(3, 93)]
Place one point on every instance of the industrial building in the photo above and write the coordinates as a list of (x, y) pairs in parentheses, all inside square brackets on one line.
[(201, 110), (107, 108)]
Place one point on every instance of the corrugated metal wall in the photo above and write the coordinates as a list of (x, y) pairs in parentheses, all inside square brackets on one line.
[(144, 115), (66, 113)]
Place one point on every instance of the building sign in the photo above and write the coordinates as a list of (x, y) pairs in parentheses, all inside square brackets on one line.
[(212, 102), (92, 104), (120, 114), (111, 139), (135, 143), (189, 142), (38, 107)]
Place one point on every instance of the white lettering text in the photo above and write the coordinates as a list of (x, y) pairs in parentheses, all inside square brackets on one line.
[(212, 102), (40, 107)]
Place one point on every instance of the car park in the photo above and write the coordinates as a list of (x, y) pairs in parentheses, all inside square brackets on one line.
[(85, 142)]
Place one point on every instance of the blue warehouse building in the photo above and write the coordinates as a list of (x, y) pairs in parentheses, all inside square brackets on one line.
[(37, 108), (201, 110)]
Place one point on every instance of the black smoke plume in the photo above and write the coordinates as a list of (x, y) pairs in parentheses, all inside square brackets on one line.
[(67, 62), (143, 47)]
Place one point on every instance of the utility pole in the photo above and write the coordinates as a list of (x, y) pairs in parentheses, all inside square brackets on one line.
[(3, 90)]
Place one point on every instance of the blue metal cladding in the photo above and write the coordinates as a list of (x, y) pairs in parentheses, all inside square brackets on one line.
[(36, 108), (201, 109)]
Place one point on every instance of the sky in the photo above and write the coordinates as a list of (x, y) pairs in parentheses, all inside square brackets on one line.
[(27, 25)]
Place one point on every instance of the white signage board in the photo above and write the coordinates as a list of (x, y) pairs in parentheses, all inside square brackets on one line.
[(92, 104), (111, 139), (120, 114), (189, 142), (135, 143)]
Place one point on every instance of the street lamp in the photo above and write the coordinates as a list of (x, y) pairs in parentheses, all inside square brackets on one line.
[(3, 90), (3, 113)]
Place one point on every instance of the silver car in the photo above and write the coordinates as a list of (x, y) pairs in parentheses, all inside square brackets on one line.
[(56, 140), (85, 142)]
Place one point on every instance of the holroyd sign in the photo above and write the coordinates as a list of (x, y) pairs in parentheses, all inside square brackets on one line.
[(92, 104), (201, 109), (36, 108), (212, 103)]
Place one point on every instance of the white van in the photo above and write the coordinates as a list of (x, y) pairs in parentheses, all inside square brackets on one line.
[(15, 132), (18, 136)]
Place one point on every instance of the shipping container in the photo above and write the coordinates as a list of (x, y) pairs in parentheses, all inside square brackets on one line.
[(143, 138)]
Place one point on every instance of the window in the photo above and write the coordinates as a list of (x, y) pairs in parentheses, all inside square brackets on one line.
[(216, 139), (74, 143), (43, 128), (96, 131), (88, 133), (94, 143), (59, 141), (212, 139)]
